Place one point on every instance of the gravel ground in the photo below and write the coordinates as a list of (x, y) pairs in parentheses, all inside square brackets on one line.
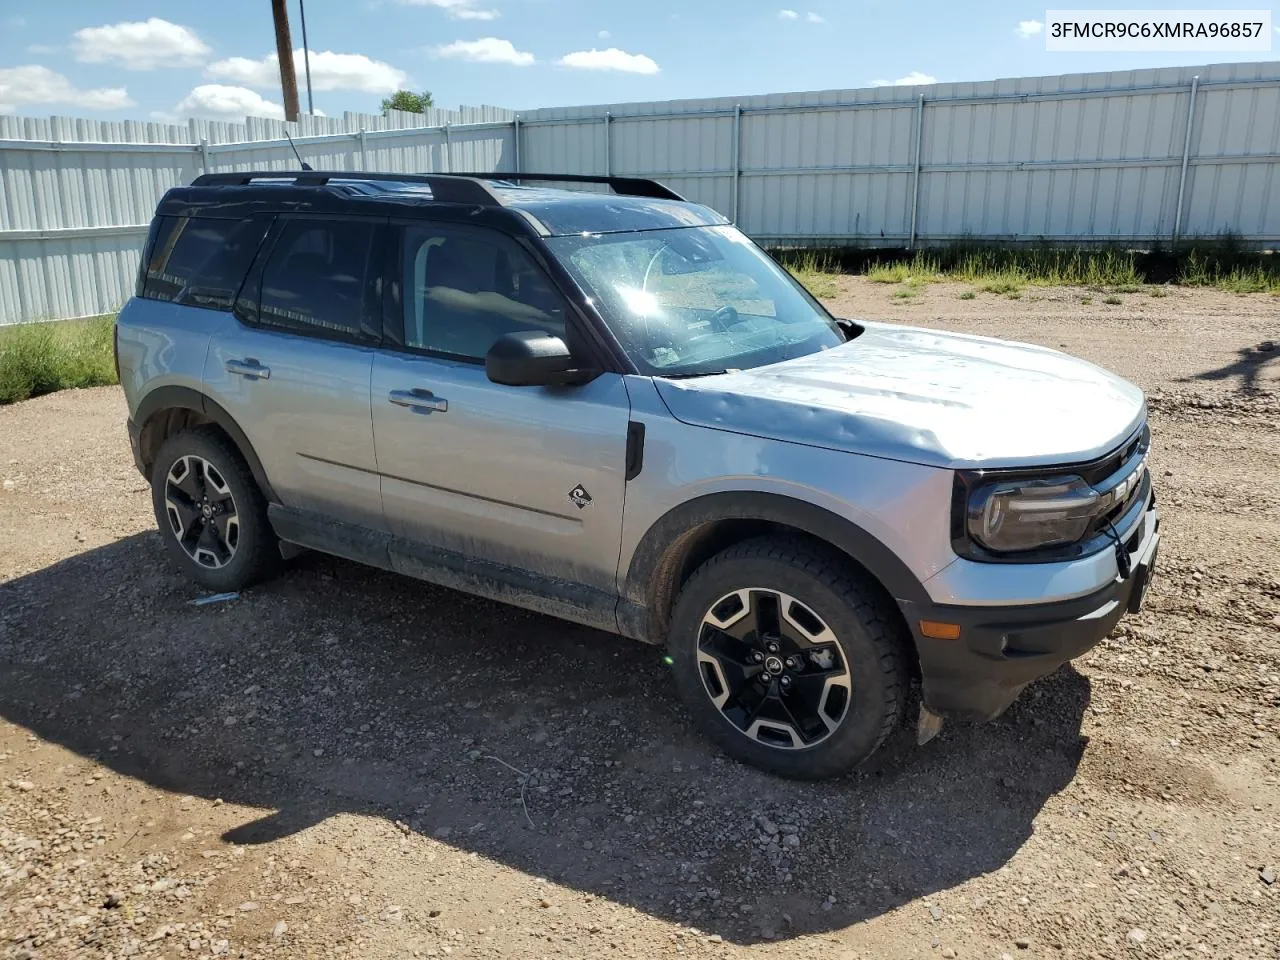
[(343, 763)]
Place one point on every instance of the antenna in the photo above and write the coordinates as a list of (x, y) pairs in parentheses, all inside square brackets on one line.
[(305, 165)]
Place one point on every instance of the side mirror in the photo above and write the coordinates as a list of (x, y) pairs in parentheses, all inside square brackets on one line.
[(531, 359)]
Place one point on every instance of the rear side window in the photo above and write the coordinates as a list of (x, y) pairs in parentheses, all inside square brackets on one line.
[(321, 279), (199, 261)]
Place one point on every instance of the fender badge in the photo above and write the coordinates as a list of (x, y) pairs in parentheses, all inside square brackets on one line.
[(579, 496)]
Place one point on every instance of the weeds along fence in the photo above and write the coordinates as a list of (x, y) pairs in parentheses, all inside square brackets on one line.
[(1136, 158)]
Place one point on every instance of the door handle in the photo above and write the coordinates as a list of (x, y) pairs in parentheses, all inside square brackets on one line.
[(248, 368), (419, 401)]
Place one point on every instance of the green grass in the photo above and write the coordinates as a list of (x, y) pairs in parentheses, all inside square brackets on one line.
[(1158, 292), (1204, 269), (1221, 263), (968, 295), (1113, 300), (816, 271), (1007, 271), (916, 272), (38, 358)]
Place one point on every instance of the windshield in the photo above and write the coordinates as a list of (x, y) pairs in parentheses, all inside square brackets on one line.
[(696, 300)]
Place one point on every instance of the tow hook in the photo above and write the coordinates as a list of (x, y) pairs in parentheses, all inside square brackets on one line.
[(927, 726)]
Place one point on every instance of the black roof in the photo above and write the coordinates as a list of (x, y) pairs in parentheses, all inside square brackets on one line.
[(635, 204)]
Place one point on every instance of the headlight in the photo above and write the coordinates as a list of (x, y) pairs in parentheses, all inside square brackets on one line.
[(1030, 514)]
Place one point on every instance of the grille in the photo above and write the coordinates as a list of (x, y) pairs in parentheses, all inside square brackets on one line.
[(1122, 475)]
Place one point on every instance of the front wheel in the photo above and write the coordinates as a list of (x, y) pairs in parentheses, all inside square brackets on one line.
[(788, 659)]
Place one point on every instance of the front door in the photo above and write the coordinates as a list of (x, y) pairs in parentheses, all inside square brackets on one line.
[(522, 485)]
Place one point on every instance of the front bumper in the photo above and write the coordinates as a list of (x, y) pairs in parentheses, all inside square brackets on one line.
[(1001, 649)]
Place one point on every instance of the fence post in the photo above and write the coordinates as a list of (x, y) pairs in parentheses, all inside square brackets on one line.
[(915, 182), (204, 155), (737, 158), (608, 145), (1186, 156), (364, 149), (448, 160), (515, 126)]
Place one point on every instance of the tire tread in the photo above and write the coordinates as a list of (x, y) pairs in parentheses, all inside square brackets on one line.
[(881, 624), (264, 555)]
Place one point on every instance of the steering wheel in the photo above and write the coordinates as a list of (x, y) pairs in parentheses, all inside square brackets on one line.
[(725, 317)]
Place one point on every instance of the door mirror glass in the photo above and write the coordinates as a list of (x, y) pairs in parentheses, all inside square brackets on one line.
[(529, 359)]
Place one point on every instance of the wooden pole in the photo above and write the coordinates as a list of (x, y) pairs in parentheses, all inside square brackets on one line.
[(284, 50)]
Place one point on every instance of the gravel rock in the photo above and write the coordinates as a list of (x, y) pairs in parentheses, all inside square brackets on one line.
[(114, 692)]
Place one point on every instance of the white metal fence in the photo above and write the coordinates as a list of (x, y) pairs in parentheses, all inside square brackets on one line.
[(1132, 157)]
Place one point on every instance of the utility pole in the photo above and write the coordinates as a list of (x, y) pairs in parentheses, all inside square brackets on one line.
[(306, 56), (284, 50)]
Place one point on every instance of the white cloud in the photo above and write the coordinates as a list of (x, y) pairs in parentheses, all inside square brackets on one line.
[(220, 102), (457, 9), (913, 79), (329, 71), (140, 45), (815, 17), (1028, 28), (32, 84), (604, 34), (788, 15), (611, 59), (485, 50)]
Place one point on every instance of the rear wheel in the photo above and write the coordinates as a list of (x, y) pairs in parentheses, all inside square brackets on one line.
[(787, 659), (211, 514)]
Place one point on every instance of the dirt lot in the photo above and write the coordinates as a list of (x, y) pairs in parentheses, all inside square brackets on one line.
[(328, 765)]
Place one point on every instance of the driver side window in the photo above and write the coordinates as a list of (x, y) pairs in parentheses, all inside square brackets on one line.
[(465, 288)]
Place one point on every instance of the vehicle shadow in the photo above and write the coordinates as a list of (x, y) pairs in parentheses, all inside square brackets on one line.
[(338, 688), (1247, 370)]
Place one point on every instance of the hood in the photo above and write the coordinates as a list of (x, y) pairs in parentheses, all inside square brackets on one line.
[(923, 396)]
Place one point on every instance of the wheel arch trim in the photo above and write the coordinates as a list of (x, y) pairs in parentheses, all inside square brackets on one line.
[(185, 398), (668, 541)]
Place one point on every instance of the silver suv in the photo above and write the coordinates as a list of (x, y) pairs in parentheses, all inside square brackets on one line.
[(616, 409)]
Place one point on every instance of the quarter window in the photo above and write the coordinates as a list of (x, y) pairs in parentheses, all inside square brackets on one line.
[(321, 279), (199, 261), (465, 289)]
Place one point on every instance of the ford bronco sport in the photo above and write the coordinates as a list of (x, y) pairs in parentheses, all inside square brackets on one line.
[(616, 409)]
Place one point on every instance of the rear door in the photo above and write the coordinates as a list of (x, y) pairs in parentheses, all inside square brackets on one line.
[(527, 480), (292, 365)]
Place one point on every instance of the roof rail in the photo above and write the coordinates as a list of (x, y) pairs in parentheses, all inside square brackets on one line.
[(626, 186), (447, 188)]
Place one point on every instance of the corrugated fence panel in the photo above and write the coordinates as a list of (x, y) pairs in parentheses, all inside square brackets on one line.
[(76, 196), (1095, 157)]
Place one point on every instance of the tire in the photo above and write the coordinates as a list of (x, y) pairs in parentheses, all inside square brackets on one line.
[(241, 549), (841, 651)]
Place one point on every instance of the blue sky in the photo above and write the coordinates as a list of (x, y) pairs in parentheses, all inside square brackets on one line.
[(167, 59)]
